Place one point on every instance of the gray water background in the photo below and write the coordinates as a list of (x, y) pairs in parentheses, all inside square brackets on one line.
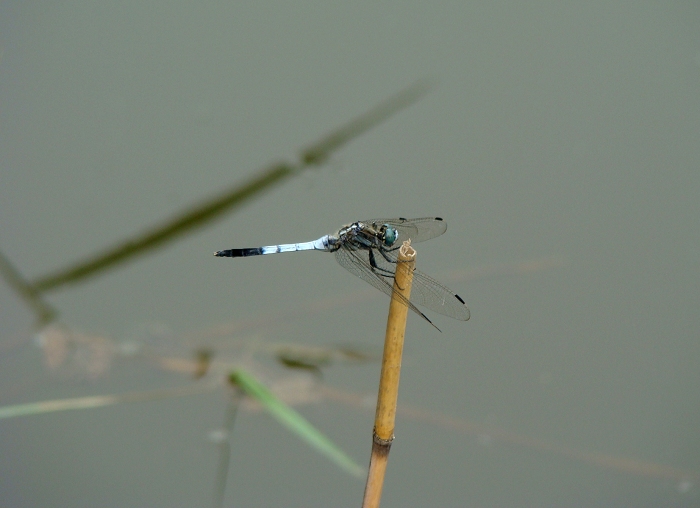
[(554, 131)]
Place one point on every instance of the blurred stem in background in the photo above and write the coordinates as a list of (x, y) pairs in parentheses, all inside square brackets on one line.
[(213, 208)]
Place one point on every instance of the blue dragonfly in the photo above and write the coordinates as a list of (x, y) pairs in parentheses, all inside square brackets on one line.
[(369, 249)]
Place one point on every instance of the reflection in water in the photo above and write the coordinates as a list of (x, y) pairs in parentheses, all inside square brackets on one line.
[(82, 355), (216, 351), (73, 354)]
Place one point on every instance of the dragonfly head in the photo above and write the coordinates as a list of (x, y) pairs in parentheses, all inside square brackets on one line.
[(389, 235)]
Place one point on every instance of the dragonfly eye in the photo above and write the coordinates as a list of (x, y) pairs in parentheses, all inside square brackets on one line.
[(390, 235)]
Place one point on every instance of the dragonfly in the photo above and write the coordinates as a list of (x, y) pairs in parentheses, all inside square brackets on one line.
[(369, 249)]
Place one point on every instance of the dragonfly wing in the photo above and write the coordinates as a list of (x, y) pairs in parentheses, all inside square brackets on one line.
[(426, 291), (357, 263), (430, 293), (418, 230)]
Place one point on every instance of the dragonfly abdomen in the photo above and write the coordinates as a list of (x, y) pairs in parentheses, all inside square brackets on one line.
[(239, 253), (320, 244)]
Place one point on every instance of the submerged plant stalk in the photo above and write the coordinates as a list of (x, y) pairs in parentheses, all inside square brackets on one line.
[(45, 313)]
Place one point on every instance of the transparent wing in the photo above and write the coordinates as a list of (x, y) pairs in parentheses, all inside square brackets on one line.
[(418, 230), (429, 293), (357, 263), (425, 291)]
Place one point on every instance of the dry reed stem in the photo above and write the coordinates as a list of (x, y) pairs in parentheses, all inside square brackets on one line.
[(387, 398)]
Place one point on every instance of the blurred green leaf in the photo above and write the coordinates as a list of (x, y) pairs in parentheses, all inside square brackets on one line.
[(207, 211), (319, 152), (52, 406), (294, 422), (177, 226)]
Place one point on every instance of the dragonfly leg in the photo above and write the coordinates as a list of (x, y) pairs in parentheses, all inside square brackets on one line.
[(382, 272), (392, 249), (377, 269), (385, 255)]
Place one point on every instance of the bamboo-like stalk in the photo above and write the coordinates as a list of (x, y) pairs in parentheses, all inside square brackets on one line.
[(387, 398)]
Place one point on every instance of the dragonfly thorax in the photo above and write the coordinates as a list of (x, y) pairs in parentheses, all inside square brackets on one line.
[(369, 235)]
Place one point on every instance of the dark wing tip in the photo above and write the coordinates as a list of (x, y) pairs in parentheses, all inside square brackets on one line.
[(429, 321), (468, 312), (438, 218)]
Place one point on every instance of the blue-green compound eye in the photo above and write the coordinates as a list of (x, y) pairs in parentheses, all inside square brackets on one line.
[(390, 235)]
